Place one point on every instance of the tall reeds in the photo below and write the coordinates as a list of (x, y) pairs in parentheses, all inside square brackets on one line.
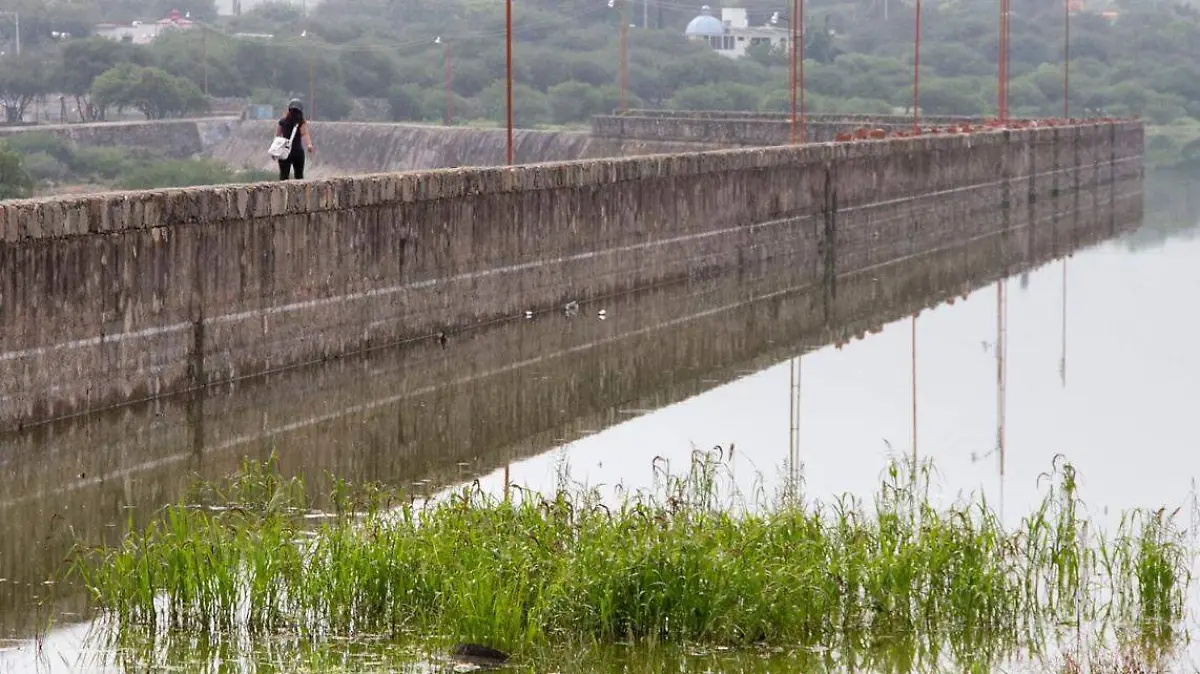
[(674, 564)]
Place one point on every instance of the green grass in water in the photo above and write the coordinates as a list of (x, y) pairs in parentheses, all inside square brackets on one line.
[(674, 564)]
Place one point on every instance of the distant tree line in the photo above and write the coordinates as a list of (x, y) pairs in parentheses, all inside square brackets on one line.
[(1139, 60)]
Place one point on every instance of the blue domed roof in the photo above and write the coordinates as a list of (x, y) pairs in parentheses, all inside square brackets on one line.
[(704, 25)]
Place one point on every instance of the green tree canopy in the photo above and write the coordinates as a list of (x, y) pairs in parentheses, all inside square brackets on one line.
[(154, 92), (15, 183)]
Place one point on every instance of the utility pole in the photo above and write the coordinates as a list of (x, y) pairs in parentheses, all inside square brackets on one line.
[(448, 117), (917, 71), (1066, 59), (312, 106), (508, 80), (803, 29), (1002, 65), (795, 26), (645, 14), (204, 50), (624, 68)]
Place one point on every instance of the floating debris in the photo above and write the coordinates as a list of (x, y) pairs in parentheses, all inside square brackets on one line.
[(477, 654)]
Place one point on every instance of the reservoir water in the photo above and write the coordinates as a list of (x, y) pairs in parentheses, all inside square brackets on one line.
[(1098, 362)]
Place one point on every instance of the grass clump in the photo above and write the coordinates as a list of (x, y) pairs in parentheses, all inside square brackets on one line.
[(678, 563)]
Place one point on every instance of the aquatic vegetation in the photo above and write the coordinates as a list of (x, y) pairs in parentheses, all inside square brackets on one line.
[(681, 563)]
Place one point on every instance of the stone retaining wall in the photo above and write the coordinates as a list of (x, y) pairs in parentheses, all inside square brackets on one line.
[(111, 298), (851, 118), (741, 129), (179, 138)]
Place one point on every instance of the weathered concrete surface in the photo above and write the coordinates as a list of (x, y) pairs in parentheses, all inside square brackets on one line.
[(850, 118), (494, 395), (745, 128), (175, 137), (345, 148), (113, 298)]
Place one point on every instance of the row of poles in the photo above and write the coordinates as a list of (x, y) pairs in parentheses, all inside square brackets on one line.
[(796, 66)]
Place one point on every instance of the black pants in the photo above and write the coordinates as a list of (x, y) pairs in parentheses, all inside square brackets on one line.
[(295, 161)]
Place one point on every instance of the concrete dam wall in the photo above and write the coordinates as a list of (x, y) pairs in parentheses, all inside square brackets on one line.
[(743, 129), (175, 137), (120, 297)]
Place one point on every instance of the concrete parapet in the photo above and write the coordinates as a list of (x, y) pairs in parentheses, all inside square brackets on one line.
[(110, 298), (850, 118), (747, 129)]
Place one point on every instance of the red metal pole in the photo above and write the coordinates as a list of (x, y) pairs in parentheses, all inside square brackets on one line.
[(624, 56), (800, 16), (1066, 59), (795, 22), (917, 71), (508, 58), (449, 80), (1000, 74), (1007, 52)]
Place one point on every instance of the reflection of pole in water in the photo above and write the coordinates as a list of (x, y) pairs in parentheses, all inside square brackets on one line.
[(1062, 362), (914, 415), (1001, 347), (794, 429), (914, 395)]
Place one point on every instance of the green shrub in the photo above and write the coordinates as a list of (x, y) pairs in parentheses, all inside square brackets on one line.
[(33, 142), (177, 173), (15, 183), (107, 163), (44, 167)]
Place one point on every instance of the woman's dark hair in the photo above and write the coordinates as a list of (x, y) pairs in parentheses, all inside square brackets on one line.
[(295, 112)]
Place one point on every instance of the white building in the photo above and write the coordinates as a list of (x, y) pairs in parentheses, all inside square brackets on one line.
[(733, 33), (140, 32)]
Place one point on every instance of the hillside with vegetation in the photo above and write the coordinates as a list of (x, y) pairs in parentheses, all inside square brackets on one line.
[(1127, 58)]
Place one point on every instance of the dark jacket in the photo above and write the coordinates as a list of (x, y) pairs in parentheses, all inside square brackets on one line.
[(285, 125)]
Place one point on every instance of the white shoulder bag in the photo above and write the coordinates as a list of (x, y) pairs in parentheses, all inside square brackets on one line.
[(282, 147)]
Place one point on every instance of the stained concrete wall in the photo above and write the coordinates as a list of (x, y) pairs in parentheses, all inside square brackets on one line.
[(113, 298), (847, 118), (490, 396), (175, 137), (741, 129)]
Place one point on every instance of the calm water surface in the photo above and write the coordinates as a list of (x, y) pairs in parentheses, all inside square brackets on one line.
[(1101, 364)]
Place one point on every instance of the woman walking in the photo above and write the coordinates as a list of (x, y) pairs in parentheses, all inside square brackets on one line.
[(294, 121)]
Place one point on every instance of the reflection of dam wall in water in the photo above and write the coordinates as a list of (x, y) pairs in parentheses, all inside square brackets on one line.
[(116, 298), (503, 392)]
